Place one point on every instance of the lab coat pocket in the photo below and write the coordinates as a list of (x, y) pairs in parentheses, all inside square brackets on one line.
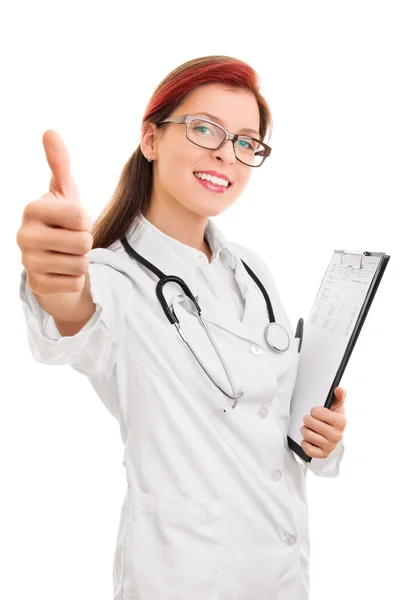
[(174, 548)]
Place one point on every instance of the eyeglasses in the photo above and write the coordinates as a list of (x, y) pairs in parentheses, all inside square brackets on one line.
[(207, 134)]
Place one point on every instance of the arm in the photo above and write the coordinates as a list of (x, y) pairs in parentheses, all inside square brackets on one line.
[(91, 347)]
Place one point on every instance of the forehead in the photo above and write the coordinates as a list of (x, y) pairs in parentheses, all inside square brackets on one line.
[(236, 109)]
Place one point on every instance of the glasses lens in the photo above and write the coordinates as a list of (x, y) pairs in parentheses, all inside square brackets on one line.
[(250, 151), (209, 135), (205, 134)]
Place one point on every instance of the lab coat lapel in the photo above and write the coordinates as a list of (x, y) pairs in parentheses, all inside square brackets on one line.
[(255, 315), (255, 307)]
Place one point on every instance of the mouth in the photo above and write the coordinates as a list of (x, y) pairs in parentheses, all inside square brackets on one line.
[(214, 186)]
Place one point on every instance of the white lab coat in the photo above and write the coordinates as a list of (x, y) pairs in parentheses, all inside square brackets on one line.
[(215, 505)]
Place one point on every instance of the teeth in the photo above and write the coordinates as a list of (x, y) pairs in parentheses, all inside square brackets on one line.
[(215, 180)]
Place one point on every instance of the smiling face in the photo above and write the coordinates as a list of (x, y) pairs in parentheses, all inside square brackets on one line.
[(176, 159)]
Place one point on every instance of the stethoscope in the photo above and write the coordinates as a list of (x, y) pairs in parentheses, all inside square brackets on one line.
[(276, 335)]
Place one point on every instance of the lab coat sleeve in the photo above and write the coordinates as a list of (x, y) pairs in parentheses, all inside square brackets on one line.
[(329, 466), (93, 350)]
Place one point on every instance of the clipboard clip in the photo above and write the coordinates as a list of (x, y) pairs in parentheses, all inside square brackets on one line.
[(360, 266)]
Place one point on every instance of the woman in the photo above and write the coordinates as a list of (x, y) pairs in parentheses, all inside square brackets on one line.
[(215, 506)]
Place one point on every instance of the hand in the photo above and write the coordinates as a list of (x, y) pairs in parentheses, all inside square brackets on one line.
[(323, 428), (55, 233)]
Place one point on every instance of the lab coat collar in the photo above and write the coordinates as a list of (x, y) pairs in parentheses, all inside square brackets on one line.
[(173, 257)]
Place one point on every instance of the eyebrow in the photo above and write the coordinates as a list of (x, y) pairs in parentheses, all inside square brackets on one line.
[(218, 120)]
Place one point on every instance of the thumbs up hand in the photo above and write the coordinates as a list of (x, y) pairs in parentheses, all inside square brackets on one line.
[(55, 234)]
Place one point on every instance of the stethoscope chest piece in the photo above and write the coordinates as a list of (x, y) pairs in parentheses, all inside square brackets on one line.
[(277, 337)]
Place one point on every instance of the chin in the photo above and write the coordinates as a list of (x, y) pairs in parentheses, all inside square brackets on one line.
[(209, 210)]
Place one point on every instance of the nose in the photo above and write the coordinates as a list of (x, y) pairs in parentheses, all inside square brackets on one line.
[(226, 153)]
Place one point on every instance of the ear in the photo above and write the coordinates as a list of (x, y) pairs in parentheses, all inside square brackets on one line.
[(148, 144)]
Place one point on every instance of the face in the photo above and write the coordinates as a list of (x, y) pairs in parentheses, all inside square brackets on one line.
[(176, 159)]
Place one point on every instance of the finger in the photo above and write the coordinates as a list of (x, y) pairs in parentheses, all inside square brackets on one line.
[(46, 262), (321, 413), (312, 451), (55, 284), (61, 182), (316, 439), (328, 431), (50, 238), (61, 214)]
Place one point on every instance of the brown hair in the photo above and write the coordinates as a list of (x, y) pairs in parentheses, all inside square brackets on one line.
[(133, 192)]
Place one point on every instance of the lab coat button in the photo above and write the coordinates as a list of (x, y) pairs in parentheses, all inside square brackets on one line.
[(256, 350), (263, 412), (276, 475), (291, 540)]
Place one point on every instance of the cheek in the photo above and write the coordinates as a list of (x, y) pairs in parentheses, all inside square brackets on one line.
[(245, 176), (171, 170), (241, 181), (178, 165)]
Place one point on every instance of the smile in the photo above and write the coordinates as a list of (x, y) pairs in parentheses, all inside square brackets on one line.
[(212, 183)]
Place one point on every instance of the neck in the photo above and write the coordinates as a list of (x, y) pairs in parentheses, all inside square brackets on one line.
[(180, 224)]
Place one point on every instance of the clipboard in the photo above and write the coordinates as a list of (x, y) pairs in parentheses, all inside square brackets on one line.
[(354, 276)]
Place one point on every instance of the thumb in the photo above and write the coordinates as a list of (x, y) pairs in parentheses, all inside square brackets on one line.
[(338, 402), (62, 182)]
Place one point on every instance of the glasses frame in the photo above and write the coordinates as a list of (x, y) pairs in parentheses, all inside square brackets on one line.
[(187, 119)]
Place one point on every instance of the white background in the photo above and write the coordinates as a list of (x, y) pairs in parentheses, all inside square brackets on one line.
[(329, 71)]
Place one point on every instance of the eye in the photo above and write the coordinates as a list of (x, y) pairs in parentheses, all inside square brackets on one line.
[(248, 144), (244, 143), (202, 128)]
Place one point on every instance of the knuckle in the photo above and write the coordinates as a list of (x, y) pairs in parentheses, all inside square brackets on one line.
[(334, 437), (78, 216), (75, 214), (30, 209), (26, 261), (84, 242), (37, 283), (337, 437), (20, 237), (82, 265), (34, 208)]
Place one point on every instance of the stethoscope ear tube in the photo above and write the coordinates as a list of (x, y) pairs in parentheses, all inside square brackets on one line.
[(271, 313), (172, 318)]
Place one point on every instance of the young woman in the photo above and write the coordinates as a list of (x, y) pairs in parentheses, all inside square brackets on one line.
[(215, 506)]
